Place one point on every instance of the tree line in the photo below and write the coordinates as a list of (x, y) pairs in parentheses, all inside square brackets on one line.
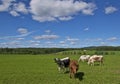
[(30, 50), (54, 50)]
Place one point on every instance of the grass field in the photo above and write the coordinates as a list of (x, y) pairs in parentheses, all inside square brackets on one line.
[(41, 69)]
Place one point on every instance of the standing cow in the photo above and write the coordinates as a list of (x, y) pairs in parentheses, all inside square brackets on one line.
[(84, 58), (62, 63), (74, 66), (95, 58)]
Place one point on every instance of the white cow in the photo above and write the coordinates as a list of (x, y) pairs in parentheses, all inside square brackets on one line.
[(84, 58), (95, 58)]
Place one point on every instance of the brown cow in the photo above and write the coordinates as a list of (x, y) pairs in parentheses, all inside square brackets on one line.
[(73, 68)]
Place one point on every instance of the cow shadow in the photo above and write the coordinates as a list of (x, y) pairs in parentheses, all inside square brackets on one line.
[(79, 75), (98, 64), (66, 72)]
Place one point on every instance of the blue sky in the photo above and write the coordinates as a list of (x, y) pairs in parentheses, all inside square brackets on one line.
[(59, 23)]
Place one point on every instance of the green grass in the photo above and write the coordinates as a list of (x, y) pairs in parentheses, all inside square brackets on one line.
[(41, 69)]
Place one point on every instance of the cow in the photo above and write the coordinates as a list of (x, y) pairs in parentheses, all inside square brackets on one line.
[(74, 66), (95, 58), (84, 58), (62, 63)]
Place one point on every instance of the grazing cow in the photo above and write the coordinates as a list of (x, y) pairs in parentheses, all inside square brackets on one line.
[(84, 58), (95, 58), (62, 63), (73, 68)]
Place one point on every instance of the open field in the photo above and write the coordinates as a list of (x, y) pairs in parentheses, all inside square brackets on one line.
[(41, 69)]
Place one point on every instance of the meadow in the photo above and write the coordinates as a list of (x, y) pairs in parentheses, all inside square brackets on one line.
[(41, 69)]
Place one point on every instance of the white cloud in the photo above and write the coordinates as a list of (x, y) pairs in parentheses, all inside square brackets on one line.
[(46, 37), (48, 31), (89, 9), (62, 42), (14, 13), (43, 18), (52, 10), (20, 38), (112, 39), (110, 9), (33, 42), (5, 5), (22, 30), (103, 44), (48, 42), (10, 44), (48, 10), (20, 7), (14, 43), (23, 33), (72, 39), (65, 18), (73, 43), (13, 7)]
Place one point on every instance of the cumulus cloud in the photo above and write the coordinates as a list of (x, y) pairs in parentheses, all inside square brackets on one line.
[(65, 18), (48, 10), (20, 7), (51, 10), (14, 13), (13, 7), (5, 4), (46, 37), (110, 9)]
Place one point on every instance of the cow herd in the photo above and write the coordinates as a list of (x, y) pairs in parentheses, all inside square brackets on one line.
[(72, 66)]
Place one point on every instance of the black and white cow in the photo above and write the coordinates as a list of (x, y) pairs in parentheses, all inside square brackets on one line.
[(62, 63)]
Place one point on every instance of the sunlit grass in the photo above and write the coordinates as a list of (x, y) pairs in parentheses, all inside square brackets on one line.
[(41, 69)]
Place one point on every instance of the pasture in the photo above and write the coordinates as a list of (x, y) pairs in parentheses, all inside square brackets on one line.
[(41, 69)]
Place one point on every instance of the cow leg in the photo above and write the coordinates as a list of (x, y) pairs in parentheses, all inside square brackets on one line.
[(59, 69), (79, 60), (63, 69), (71, 75), (93, 63), (101, 62), (67, 69), (71, 72)]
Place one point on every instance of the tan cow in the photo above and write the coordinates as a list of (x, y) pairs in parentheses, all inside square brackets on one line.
[(95, 58)]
